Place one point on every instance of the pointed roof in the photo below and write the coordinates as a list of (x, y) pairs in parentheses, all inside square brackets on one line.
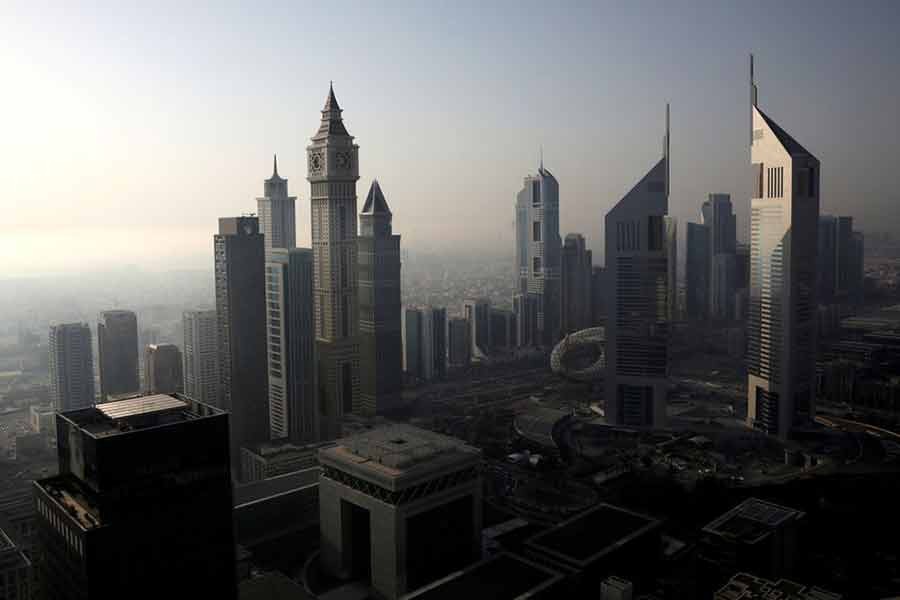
[(332, 122), (375, 201), (792, 146), (275, 176)]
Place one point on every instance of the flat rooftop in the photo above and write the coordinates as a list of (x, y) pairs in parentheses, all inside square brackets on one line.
[(744, 586), (140, 412), (752, 520), (502, 577), (398, 454), (592, 534)]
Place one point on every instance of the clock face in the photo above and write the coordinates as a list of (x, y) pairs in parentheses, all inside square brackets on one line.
[(343, 160), (315, 162)]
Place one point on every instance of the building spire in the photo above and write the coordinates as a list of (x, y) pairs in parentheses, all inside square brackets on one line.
[(754, 96), (275, 165), (542, 157), (666, 149)]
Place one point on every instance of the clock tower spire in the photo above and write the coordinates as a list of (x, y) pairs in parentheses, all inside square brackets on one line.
[(332, 171)]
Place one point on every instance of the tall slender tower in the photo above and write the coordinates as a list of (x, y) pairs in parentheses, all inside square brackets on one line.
[(332, 173), (576, 284), (201, 360), (781, 332), (637, 266), (538, 252), (277, 219), (381, 343)]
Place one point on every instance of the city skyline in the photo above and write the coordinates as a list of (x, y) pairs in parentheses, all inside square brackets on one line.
[(100, 156)]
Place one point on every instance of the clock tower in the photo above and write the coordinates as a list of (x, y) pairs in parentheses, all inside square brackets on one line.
[(332, 173)]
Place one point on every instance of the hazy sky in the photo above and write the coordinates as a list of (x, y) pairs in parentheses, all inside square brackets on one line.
[(128, 128)]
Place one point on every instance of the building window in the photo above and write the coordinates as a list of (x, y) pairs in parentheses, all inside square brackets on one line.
[(536, 266), (536, 231)]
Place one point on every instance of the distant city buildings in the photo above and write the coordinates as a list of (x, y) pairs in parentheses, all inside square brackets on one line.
[(142, 501), (380, 307), (425, 342), (459, 345), (292, 373), (744, 586), (117, 350), (636, 383), (163, 369), (241, 330), (333, 169), (538, 246), (781, 328), (71, 366), (18, 580), (276, 213), (576, 284), (718, 215), (840, 261), (201, 359), (477, 313), (503, 329), (697, 271)]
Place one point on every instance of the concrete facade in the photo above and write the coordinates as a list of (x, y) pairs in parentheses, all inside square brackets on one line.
[(393, 475)]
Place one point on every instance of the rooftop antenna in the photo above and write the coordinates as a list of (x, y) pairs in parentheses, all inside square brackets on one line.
[(275, 164), (666, 149), (542, 157), (754, 96)]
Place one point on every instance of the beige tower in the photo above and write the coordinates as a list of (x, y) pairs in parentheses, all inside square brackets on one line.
[(332, 173), (781, 328)]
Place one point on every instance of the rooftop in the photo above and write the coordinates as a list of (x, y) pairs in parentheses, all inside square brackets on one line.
[(752, 520), (395, 454), (593, 533), (502, 577), (748, 587), (141, 412)]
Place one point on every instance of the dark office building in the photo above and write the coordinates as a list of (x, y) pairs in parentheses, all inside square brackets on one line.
[(381, 344), (576, 284), (697, 270), (117, 340), (503, 329), (71, 366), (142, 505), (598, 308), (162, 368), (241, 329)]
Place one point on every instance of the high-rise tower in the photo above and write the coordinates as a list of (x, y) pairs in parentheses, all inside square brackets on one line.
[(781, 332), (538, 262), (201, 361), (637, 266), (241, 330), (71, 366), (333, 170), (117, 349), (277, 219), (381, 344), (576, 284)]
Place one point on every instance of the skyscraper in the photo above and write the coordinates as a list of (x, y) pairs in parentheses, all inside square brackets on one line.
[(201, 359), (697, 270), (781, 335), (277, 219), (241, 330), (459, 347), (478, 314), (381, 343), (525, 311), (71, 366), (293, 410), (718, 215), (503, 329), (576, 284), (117, 350), (826, 256), (142, 504), (333, 171), (637, 330), (425, 342), (163, 369), (598, 295), (538, 263)]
